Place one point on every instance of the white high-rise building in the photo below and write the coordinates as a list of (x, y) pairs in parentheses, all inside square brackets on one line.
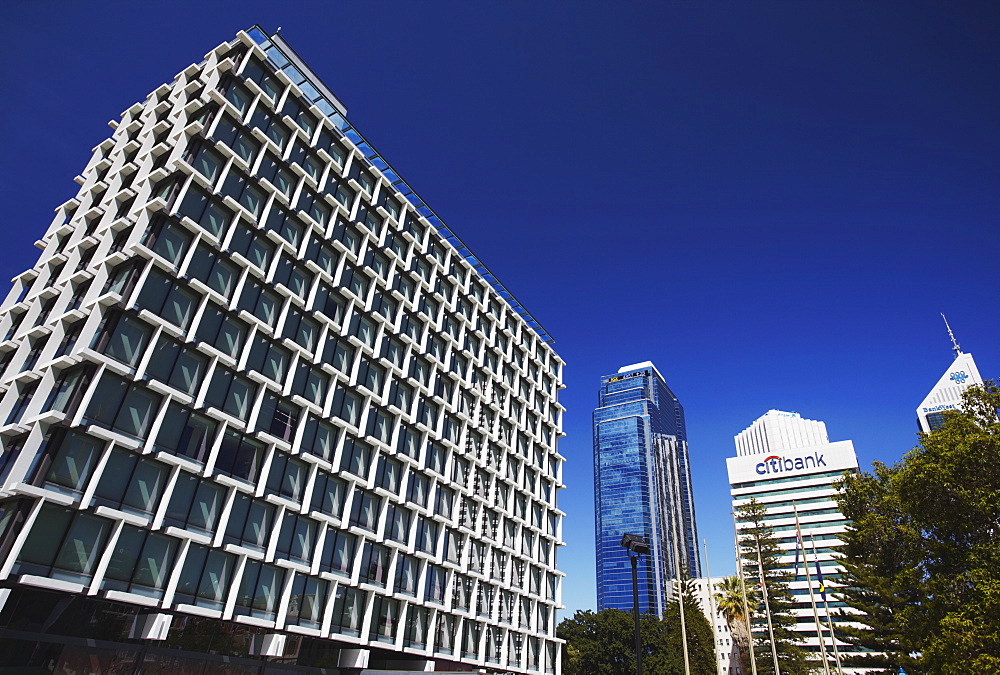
[(254, 386), (947, 393), (788, 464), (777, 430)]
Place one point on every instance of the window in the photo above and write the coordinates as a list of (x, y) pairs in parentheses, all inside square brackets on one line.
[(168, 299), (254, 70), (323, 254), (123, 407), (288, 227), (208, 162), (205, 210), (315, 206), (260, 301), (427, 532), (306, 601), (73, 457), (63, 544), (390, 474), (407, 573), (320, 438), (293, 277), (240, 457), (301, 329), (437, 579), (205, 577), (401, 396), (260, 590), (278, 417), (71, 334), (356, 458), (347, 406), (298, 111), (239, 141), (214, 270), (415, 630), (272, 170), (338, 552), (253, 246), (397, 523), (231, 393), (419, 490), (141, 562), (131, 483), (329, 302), (186, 433), (287, 477), (169, 241), (177, 366), (355, 281), (251, 522), (297, 538), (375, 565), (348, 610), (224, 332), (195, 504), (408, 442), (364, 511), (310, 383), (239, 96), (269, 360), (69, 389), (328, 494), (274, 130), (311, 164)]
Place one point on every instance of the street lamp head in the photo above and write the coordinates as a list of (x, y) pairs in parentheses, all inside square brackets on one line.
[(635, 544)]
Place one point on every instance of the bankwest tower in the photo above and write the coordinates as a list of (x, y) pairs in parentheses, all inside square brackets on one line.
[(788, 463), (257, 399)]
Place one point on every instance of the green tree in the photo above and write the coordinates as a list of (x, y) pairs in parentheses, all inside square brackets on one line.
[(922, 555), (759, 551), (603, 643), (700, 640), (729, 601)]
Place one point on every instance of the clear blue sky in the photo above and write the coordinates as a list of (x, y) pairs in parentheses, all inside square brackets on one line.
[(770, 200)]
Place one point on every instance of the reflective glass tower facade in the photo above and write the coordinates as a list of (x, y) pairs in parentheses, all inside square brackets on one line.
[(254, 389), (642, 485)]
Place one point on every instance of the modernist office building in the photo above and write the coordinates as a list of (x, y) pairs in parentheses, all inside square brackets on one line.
[(254, 386), (947, 393), (788, 463), (642, 485)]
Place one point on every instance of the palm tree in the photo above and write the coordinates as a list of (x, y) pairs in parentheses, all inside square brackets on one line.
[(729, 601)]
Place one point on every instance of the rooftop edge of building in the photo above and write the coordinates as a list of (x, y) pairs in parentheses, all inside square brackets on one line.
[(337, 113)]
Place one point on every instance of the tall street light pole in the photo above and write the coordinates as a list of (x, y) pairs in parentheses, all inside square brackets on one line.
[(636, 546)]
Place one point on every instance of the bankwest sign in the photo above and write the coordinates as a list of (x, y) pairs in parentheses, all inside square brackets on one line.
[(837, 456)]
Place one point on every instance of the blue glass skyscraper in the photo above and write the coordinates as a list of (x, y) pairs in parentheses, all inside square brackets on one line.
[(642, 485)]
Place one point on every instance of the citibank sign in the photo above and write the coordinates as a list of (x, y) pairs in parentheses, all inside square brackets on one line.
[(778, 464)]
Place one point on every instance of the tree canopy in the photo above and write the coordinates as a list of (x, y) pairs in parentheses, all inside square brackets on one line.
[(603, 643), (922, 555)]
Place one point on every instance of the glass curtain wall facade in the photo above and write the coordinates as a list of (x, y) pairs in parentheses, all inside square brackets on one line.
[(253, 378), (642, 485)]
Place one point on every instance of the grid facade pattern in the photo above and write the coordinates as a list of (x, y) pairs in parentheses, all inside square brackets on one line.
[(247, 379), (642, 485)]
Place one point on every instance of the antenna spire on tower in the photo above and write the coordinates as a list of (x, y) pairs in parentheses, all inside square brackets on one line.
[(954, 342)]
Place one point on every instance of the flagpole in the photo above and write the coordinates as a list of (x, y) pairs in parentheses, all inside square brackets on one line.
[(711, 609), (812, 597), (746, 604), (680, 604), (829, 619)]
